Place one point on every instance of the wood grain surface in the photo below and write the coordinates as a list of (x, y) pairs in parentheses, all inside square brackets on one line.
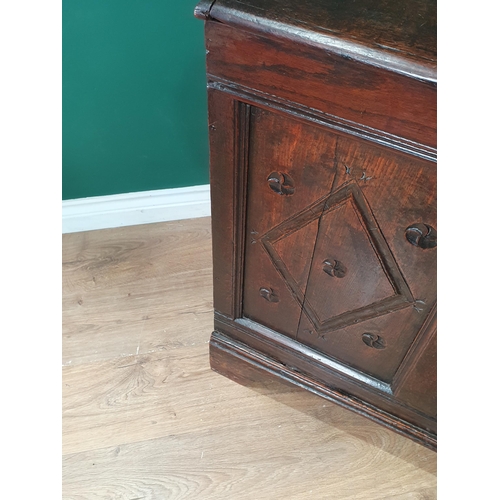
[(405, 27), (300, 74), (144, 417)]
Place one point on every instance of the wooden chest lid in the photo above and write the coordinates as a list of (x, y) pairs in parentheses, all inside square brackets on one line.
[(399, 35)]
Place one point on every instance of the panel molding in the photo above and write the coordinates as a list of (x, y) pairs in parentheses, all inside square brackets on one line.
[(314, 116), (130, 209)]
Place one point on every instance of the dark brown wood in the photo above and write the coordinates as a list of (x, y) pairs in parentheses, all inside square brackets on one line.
[(223, 111), (395, 35), (325, 81), (322, 124)]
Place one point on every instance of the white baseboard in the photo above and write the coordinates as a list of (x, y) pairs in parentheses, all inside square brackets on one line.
[(130, 209)]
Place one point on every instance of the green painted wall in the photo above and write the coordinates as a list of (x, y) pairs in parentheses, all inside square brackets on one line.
[(134, 97)]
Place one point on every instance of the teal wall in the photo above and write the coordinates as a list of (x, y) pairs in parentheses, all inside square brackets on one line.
[(134, 97)]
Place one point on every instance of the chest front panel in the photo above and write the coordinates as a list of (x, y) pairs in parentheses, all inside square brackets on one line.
[(328, 256)]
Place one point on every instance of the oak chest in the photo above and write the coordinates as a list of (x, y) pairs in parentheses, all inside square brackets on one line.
[(322, 122)]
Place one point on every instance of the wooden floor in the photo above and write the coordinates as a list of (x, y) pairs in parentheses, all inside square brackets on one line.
[(144, 417)]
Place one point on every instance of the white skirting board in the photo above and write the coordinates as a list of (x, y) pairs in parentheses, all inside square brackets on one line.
[(130, 209)]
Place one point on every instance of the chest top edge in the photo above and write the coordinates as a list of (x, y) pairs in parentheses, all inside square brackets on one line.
[(396, 36)]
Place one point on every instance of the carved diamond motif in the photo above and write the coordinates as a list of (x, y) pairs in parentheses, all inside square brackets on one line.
[(371, 283)]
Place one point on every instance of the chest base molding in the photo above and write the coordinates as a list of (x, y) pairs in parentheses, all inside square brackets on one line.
[(249, 367)]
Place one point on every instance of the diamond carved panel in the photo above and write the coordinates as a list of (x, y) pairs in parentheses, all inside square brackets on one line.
[(370, 283)]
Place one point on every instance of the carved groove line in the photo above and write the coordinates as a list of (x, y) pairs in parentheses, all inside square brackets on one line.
[(241, 158)]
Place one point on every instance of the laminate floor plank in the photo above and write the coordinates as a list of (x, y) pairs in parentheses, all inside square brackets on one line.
[(249, 463), (144, 417), (135, 289)]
